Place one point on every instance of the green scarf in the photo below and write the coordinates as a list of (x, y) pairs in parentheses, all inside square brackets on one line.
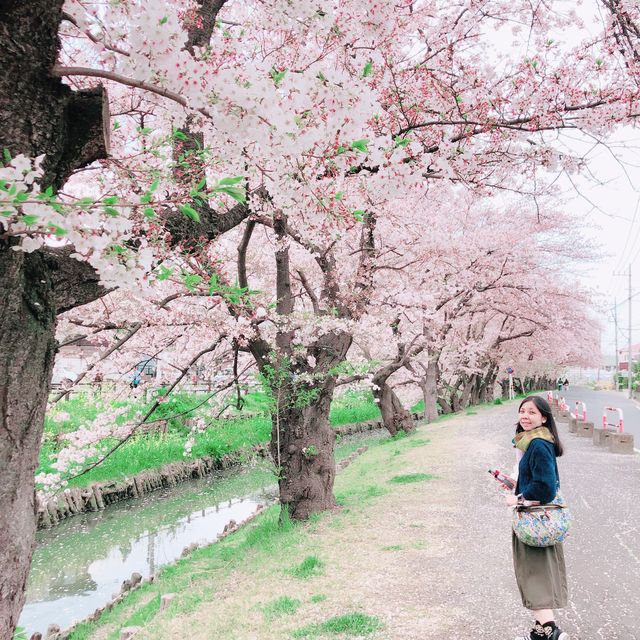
[(524, 438)]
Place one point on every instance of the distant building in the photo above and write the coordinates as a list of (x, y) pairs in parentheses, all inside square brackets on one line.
[(623, 356), (73, 359)]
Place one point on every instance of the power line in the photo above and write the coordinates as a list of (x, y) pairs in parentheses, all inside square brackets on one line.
[(621, 259), (617, 304)]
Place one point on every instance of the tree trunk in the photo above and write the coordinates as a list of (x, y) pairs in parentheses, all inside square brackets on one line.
[(40, 115), (429, 386), (302, 442), (27, 318), (394, 416), (466, 393), (445, 405)]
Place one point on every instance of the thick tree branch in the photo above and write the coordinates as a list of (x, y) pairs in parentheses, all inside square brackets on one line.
[(243, 280)]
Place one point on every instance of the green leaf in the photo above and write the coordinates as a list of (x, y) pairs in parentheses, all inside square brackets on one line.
[(29, 219), (110, 211), (6, 154), (116, 125), (340, 150), (164, 20), (368, 69), (84, 202), (111, 200), (7, 214), (164, 273), (401, 142), (21, 196), (237, 193), (154, 185), (321, 76), (228, 182), (179, 135), (190, 212), (360, 145), (191, 280), (278, 76), (339, 195), (149, 213), (49, 192), (145, 198), (214, 285), (359, 214), (201, 185)]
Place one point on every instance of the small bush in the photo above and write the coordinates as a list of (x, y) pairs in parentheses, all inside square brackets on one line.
[(497, 401)]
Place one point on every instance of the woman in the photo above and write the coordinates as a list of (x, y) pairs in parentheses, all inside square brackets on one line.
[(540, 571)]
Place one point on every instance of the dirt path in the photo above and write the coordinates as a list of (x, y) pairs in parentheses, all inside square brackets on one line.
[(431, 559)]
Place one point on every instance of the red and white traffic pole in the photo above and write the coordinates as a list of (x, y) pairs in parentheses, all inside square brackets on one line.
[(605, 422)]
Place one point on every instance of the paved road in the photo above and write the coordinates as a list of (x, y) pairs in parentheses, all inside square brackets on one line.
[(603, 552), (597, 400)]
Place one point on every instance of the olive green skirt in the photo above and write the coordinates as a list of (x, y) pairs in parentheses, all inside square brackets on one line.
[(541, 575)]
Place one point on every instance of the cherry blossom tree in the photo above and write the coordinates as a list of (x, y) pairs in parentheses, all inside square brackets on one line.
[(322, 112)]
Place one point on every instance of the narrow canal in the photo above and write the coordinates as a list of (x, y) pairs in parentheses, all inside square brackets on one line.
[(79, 564)]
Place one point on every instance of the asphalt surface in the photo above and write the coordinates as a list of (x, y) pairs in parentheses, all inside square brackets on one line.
[(602, 553), (597, 400)]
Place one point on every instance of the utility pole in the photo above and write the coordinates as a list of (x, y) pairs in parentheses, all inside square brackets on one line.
[(630, 370), (615, 322)]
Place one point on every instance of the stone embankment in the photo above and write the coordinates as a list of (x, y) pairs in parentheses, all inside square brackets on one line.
[(97, 496)]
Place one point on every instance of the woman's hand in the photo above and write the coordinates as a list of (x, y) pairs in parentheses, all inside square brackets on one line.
[(511, 500)]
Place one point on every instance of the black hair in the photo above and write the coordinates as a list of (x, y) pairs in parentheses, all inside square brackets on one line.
[(545, 409)]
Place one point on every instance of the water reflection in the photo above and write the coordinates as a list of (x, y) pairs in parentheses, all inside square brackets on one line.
[(80, 564)]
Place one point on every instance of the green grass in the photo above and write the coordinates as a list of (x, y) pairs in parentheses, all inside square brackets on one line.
[(418, 442), (283, 606), (265, 546), (411, 477), (392, 547), (350, 624), (311, 566), (353, 406), (240, 430)]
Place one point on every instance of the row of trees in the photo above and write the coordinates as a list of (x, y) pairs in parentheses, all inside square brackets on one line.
[(335, 158)]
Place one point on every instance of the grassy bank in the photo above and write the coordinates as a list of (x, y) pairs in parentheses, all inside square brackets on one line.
[(271, 579), (239, 430)]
